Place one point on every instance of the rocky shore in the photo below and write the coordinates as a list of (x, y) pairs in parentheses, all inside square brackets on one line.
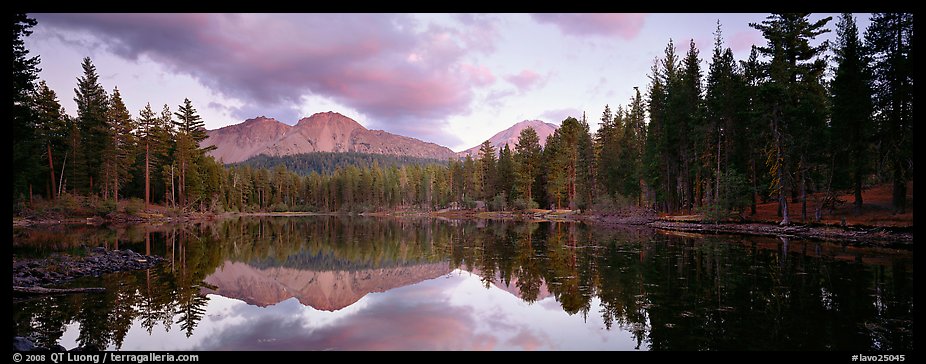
[(59, 268)]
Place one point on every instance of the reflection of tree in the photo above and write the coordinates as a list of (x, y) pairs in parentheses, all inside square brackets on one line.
[(162, 295), (673, 293), (711, 293)]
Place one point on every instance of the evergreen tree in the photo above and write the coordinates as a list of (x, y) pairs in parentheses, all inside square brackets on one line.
[(634, 130), (793, 82), (51, 128), (851, 110), (655, 159), (25, 72), (488, 172), (92, 104), (527, 162), (119, 155), (889, 40), (147, 124), (190, 132), (755, 132), (723, 149), (505, 179)]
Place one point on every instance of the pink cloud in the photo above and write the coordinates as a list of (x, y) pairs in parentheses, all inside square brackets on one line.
[(526, 80), (382, 65), (623, 25), (743, 40), (479, 75)]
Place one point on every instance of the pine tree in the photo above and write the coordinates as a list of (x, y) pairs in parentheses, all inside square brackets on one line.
[(724, 149), (634, 130), (163, 148), (51, 129), (119, 154), (586, 184), (851, 109), (25, 72), (688, 112), (527, 162), (487, 167), (890, 45), (92, 104), (505, 179), (755, 131), (655, 161), (190, 132), (147, 123), (793, 84)]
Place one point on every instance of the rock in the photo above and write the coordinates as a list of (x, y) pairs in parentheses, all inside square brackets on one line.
[(22, 344)]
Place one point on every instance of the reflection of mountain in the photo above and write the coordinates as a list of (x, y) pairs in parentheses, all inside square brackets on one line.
[(512, 286), (322, 290)]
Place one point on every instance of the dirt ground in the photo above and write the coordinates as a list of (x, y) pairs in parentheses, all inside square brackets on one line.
[(876, 210)]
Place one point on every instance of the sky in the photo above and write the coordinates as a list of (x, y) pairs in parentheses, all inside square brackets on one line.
[(451, 79), (452, 312)]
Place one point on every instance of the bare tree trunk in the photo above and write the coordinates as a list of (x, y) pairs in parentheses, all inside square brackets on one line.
[(173, 202), (858, 194), (51, 171), (717, 188), (803, 188), (147, 178), (116, 187), (61, 177), (780, 161)]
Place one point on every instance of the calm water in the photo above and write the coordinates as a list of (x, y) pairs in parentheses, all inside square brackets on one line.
[(348, 283)]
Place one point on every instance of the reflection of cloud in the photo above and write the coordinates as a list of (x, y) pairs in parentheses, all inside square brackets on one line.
[(411, 319), (526, 340)]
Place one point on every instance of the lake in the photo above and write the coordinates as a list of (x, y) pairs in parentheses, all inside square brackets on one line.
[(361, 283)]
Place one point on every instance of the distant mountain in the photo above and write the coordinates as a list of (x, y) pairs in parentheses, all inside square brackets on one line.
[(322, 132), (510, 136), (327, 290)]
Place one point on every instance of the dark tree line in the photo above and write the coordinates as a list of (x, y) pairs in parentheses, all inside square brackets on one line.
[(771, 128)]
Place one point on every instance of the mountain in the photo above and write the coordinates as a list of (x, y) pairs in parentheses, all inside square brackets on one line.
[(510, 136), (322, 132), (327, 290)]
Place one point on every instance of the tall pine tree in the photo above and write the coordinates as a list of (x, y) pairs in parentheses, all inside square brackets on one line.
[(851, 110), (92, 104), (890, 45), (793, 81), (25, 72), (527, 163)]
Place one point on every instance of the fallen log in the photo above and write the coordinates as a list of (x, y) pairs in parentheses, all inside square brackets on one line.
[(48, 291)]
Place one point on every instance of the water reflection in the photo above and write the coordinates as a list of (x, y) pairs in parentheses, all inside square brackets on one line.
[(315, 283)]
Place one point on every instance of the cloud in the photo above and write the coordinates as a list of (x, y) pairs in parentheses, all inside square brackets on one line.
[(479, 75), (526, 80), (556, 116), (743, 40), (409, 322), (626, 26), (385, 66)]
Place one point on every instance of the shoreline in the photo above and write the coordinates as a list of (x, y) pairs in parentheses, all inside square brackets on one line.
[(855, 235)]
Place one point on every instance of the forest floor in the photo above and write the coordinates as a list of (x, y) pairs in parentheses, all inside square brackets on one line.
[(876, 210), (874, 224)]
